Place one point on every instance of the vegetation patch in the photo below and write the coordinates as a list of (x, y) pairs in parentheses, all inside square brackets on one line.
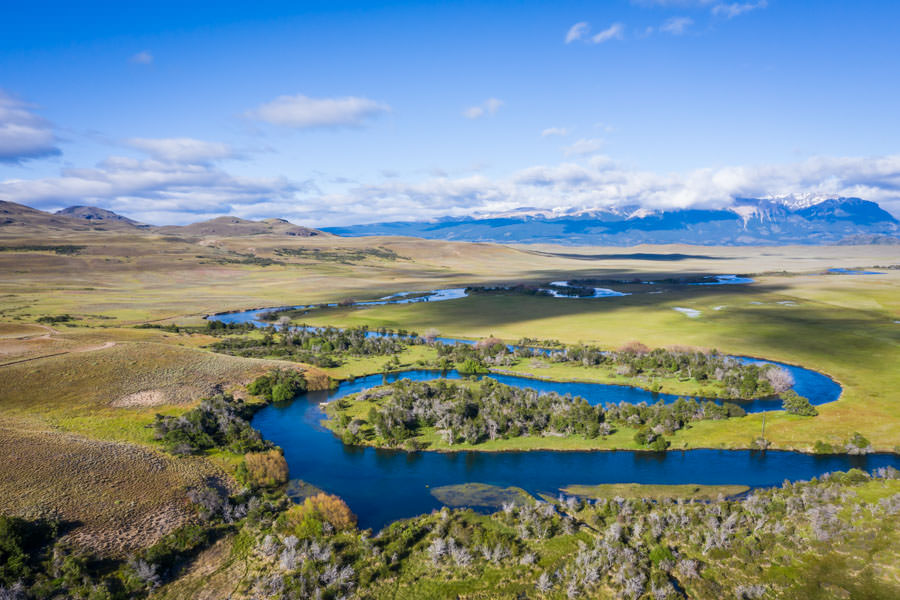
[(479, 494), (687, 491), (340, 255), (65, 249), (405, 412)]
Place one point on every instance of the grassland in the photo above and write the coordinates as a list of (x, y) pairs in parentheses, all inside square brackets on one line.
[(75, 398), (844, 327), (688, 491), (75, 406)]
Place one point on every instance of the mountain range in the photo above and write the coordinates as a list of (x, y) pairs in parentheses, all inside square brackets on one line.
[(17, 217), (768, 221)]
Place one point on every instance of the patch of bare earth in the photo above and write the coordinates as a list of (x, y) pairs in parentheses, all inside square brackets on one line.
[(116, 497), (145, 398)]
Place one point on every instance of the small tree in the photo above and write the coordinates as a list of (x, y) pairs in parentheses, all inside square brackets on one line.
[(796, 404), (309, 518), (262, 469)]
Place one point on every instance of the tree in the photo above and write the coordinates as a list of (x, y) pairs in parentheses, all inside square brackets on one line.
[(281, 392), (780, 379), (795, 404), (263, 469), (308, 518)]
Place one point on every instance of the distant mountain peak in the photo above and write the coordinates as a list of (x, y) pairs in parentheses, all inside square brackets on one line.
[(797, 201), (794, 219), (96, 215)]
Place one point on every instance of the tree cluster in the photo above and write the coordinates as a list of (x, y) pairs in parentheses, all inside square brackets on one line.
[(323, 347), (218, 422), (488, 410)]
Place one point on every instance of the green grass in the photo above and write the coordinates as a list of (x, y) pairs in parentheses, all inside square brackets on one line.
[(478, 494), (688, 491), (845, 330), (542, 369)]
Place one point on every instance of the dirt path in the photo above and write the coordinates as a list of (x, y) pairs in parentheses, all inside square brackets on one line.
[(49, 335)]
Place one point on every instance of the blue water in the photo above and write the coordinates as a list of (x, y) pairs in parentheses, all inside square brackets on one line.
[(385, 485), (817, 387), (820, 388), (851, 272), (724, 280), (381, 486), (252, 316)]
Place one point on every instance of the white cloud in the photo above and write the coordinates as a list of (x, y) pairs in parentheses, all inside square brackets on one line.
[(153, 191), (165, 192), (487, 108), (729, 11), (676, 25), (303, 112), (186, 150), (584, 147), (615, 31), (577, 32), (602, 183), (142, 58), (555, 131), (23, 134)]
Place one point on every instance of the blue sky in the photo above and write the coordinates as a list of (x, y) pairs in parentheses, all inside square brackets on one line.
[(331, 113)]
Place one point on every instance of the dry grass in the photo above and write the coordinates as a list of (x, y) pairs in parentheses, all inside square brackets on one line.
[(74, 437), (115, 497)]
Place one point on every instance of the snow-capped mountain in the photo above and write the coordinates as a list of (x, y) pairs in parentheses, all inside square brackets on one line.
[(796, 219)]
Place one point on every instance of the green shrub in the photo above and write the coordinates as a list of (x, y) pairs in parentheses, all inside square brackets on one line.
[(821, 447), (279, 385), (21, 543), (795, 404), (219, 422)]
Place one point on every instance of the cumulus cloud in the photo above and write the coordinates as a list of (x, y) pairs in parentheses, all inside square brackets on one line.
[(554, 131), (577, 32), (616, 31), (602, 183), (181, 149), (487, 108), (303, 112), (735, 9), (142, 58), (153, 191), (23, 134), (584, 147), (676, 25), (164, 192)]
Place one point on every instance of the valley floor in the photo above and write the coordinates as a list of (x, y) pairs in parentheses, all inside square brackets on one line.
[(79, 389)]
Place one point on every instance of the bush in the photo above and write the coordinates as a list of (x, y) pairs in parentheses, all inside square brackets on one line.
[(264, 469), (21, 542), (858, 444), (219, 422), (821, 447), (308, 518), (472, 366), (795, 404), (660, 444), (279, 385)]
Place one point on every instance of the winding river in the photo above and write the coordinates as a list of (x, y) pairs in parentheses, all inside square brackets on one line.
[(385, 485)]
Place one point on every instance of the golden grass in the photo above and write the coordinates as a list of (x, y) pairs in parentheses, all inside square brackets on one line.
[(113, 497)]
